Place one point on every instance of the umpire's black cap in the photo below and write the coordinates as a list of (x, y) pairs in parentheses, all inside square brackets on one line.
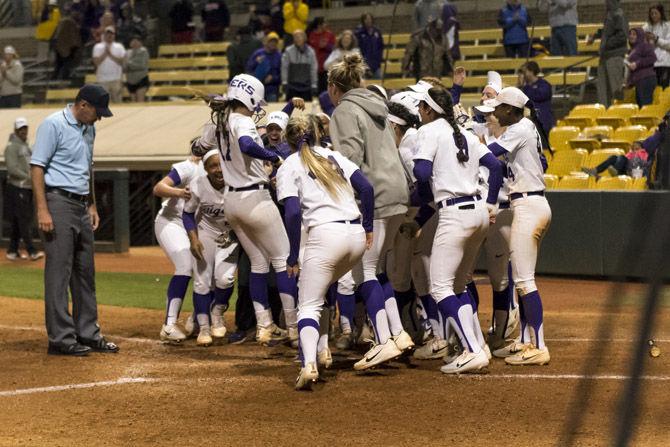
[(97, 96)]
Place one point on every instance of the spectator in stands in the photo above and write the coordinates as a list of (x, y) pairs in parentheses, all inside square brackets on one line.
[(241, 50), (265, 65), (426, 11), (346, 44), (181, 16), (11, 79), (322, 40), (45, 29), (92, 12), (635, 163), (296, 13), (613, 46), (277, 17), (657, 30), (539, 91), (108, 58), (371, 44), (514, 19), (216, 18), (426, 53), (129, 25), (451, 27), (563, 22), (137, 70), (19, 192), (299, 69), (107, 19), (640, 63), (67, 45)]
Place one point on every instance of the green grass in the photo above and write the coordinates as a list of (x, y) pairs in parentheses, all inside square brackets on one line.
[(141, 290)]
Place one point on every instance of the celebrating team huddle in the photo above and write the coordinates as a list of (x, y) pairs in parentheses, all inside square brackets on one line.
[(377, 213)]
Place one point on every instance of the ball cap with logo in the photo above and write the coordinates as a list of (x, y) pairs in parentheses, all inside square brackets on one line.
[(279, 118), (509, 95), (98, 97)]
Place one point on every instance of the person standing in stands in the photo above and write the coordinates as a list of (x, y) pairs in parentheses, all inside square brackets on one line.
[(299, 69), (539, 91), (613, 46), (241, 50), (563, 22), (514, 19), (296, 13), (640, 63), (426, 53), (181, 15), (216, 18), (371, 44), (657, 30), (426, 11), (109, 58), (322, 40), (265, 65), (451, 27), (67, 45), (11, 79)]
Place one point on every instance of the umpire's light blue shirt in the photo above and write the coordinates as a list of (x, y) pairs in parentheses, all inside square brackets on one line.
[(64, 148)]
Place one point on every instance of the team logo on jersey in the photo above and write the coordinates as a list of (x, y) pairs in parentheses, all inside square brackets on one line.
[(243, 85)]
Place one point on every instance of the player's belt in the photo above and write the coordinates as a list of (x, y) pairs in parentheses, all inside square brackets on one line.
[(503, 205), (519, 195), (248, 188), (70, 195), (352, 222), (457, 200)]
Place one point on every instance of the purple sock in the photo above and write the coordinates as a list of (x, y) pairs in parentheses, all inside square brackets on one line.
[(373, 295), (258, 288), (309, 339), (288, 286), (524, 322), (222, 296), (532, 305), (430, 306), (510, 286), (175, 297), (201, 303), (331, 295), (386, 285), (449, 308), (472, 290), (347, 305)]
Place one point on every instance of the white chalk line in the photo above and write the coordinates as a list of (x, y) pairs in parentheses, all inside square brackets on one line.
[(566, 377), (77, 386)]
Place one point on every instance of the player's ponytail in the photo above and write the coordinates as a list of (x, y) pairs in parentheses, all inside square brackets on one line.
[(544, 139), (443, 99), (348, 74), (302, 133), (220, 112)]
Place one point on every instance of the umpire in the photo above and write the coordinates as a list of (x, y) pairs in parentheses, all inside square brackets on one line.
[(61, 168)]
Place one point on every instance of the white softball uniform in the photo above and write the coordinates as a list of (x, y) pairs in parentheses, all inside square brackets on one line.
[(461, 226), (168, 227), (408, 148), (334, 242), (531, 211), (218, 267)]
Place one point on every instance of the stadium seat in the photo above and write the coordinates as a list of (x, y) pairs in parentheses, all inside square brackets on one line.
[(621, 182), (649, 116), (567, 161), (551, 181), (584, 115), (576, 181), (176, 63), (617, 115), (559, 137), (598, 156), (629, 133), (598, 132), (590, 144), (639, 184)]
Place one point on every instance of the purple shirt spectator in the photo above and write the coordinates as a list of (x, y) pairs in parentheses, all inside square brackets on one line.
[(371, 44)]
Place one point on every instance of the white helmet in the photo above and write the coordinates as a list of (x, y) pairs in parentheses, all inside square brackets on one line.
[(409, 99), (248, 90)]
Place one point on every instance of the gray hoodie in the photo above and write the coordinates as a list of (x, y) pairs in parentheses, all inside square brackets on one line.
[(359, 129), (17, 160), (614, 33), (561, 12)]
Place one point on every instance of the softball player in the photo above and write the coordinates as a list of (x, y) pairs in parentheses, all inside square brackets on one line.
[(173, 239), (449, 159), (318, 182), (521, 146), (249, 207), (214, 250)]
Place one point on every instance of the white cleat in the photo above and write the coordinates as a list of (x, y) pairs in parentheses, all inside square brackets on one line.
[(466, 362), (511, 349), (324, 358), (308, 376), (344, 341), (529, 356), (294, 336), (379, 353), (366, 334), (204, 337), (403, 341), (171, 333), (433, 349), (487, 350), (512, 322), (270, 335), (454, 350), (218, 326), (190, 326)]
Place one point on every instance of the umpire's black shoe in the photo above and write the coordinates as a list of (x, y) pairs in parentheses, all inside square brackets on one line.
[(100, 345), (74, 349)]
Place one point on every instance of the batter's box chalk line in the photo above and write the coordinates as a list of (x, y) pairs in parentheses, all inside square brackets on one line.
[(614, 377), (78, 386)]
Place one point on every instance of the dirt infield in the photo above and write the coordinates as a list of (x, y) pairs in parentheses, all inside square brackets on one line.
[(154, 394)]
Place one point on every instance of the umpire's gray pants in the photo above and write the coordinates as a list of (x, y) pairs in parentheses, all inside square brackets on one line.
[(69, 264)]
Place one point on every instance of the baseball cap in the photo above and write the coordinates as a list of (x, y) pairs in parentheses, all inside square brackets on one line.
[(10, 50), (110, 29), (511, 96), (486, 107), (421, 87), (20, 122), (98, 97), (272, 35), (409, 99), (279, 118)]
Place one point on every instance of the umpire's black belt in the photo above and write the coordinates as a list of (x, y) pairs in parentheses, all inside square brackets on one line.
[(457, 200), (519, 195), (249, 188), (68, 194), (352, 222)]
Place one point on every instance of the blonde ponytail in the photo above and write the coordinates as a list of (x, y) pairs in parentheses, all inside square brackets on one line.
[(301, 134)]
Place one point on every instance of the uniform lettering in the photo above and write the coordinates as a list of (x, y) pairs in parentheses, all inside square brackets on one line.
[(243, 85)]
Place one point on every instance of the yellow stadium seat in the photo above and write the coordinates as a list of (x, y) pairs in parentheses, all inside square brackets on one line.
[(589, 144), (576, 181), (639, 184), (617, 115), (560, 136), (590, 109), (649, 116), (598, 132), (567, 161), (579, 121), (629, 133), (621, 182), (658, 91), (551, 181), (584, 115)]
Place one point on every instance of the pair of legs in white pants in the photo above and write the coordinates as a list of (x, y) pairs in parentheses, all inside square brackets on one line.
[(258, 225), (460, 233), (332, 249), (172, 238)]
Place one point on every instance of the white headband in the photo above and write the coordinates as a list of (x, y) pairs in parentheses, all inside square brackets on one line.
[(433, 105), (397, 120), (209, 154)]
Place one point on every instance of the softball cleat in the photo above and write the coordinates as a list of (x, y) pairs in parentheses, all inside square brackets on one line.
[(512, 322), (204, 337), (487, 351), (191, 326), (307, 377), (511, 349), (403, 341), (324, 358), (294, 336), (218, 331), (466, 362), (433, 349), (529, 356), (344, 341), (270, 335), (379, 353), (172, 334)]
